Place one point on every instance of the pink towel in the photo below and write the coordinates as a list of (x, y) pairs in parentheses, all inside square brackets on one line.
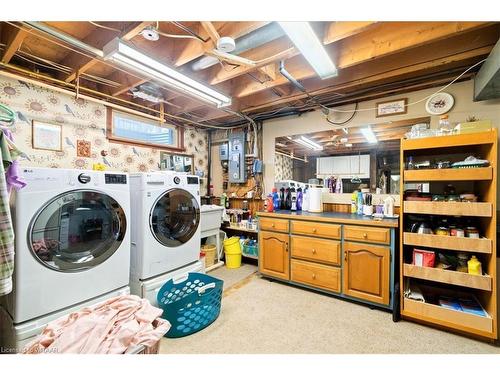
[(113, 327)]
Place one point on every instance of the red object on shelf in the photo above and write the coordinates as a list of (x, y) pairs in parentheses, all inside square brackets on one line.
[(423, 258)]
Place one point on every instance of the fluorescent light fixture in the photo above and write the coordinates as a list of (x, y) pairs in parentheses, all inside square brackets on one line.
[(348, 145), (369, 134), (130, 58), (308, 143), (305, 40)]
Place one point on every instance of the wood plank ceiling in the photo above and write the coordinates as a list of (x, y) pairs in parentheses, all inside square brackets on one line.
[(373, 59)]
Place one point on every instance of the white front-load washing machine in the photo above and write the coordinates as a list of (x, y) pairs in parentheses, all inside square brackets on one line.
[(165, 236), (72, 245)]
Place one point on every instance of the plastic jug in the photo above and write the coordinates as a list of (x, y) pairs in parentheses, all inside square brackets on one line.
[(474, 266)]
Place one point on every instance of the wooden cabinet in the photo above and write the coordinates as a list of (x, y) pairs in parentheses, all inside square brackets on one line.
[(273, 254), (366, 272)]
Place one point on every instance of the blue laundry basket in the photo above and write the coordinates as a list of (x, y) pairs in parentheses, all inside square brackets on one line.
[(191, 304)]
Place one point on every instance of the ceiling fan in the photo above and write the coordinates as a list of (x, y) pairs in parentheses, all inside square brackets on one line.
[(222, 45)]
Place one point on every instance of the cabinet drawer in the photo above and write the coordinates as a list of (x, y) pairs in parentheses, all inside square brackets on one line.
[(367, 234), (317, 275), (275, 225), (315, 229), (316, 249)]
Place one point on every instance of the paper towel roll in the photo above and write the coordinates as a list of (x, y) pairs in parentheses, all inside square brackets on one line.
[(315, 200)]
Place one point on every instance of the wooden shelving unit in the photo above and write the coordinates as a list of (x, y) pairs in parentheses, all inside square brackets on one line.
[(474, 245), (482, 282), (484, 183), (483, 209), (473, 174)]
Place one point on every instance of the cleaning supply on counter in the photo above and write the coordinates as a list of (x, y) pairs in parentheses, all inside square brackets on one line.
[(293, 195), (288, 199), (389, 206), (474, 266), (269, 203), (354, 199), (359, 203), (299, 199), (276, 200), (305, 200), (282, 199)]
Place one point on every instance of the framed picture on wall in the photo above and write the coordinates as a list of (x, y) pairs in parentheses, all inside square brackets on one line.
[(391, 108), (46, 136)]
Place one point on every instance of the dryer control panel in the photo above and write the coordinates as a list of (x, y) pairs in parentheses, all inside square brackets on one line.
[(115, 178)]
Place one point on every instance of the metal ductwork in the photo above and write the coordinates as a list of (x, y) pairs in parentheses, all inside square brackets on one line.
[(487, 80), (256, 38)]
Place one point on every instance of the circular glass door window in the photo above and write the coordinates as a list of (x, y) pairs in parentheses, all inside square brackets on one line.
[(77, 230), (175, 217)]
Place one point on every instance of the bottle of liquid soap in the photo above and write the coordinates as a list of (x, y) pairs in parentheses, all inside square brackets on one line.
[(305, 200), (354, 199), (474, 266), (288, 199), (299, 199), (359, 203), (282, 199), (293, 194), (276, 200)]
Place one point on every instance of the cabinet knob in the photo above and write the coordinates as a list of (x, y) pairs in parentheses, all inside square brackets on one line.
[(314, 251), (314, 230), (314, 276), (272, 225), (365, 235)]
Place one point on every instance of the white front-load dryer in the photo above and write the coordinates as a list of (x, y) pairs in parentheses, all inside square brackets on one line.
[(165, 234), (72, 240)]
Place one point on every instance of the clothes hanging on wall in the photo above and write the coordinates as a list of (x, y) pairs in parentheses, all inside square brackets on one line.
[(9, 178), (6, 228), (12, 175)]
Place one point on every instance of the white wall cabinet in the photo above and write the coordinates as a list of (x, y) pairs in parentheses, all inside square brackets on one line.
[(345, 166)]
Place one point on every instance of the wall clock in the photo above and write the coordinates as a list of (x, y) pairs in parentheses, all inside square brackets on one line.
[(439, 103)]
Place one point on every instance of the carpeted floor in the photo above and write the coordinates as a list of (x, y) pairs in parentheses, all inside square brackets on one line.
[(261, 316)]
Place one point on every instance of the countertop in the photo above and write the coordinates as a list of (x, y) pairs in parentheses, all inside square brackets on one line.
[(332, 217)]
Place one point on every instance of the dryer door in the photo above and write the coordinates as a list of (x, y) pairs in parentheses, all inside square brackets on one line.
[(175, 217), (77, 230)]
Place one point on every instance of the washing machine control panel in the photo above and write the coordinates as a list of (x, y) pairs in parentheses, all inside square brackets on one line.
[(177, 180), (84, 178), (115, 178)]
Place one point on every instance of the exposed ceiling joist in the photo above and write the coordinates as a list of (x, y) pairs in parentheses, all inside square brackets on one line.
[(193, 49), (336, 31), (13, 41), (98, 38), (382, 41)]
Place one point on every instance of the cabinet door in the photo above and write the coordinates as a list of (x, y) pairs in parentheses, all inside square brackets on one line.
[(341, 165), (273, 254), (360, 166), (366, 272)]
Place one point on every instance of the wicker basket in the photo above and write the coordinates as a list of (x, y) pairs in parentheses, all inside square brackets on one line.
[(209, 251)]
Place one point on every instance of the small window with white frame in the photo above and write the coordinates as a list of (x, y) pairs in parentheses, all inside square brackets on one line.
[(142, 131)]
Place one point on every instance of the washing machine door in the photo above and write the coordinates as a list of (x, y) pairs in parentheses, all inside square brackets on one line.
[(175, 217), (77, 230)]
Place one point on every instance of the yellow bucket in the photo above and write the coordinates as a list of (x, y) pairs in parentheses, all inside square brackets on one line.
[(232, 250)]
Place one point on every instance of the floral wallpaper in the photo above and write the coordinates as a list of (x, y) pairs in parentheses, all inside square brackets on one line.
[(283, 168), (82, 120)]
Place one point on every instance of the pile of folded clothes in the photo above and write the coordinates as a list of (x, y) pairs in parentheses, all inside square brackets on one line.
[(115, 326)]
